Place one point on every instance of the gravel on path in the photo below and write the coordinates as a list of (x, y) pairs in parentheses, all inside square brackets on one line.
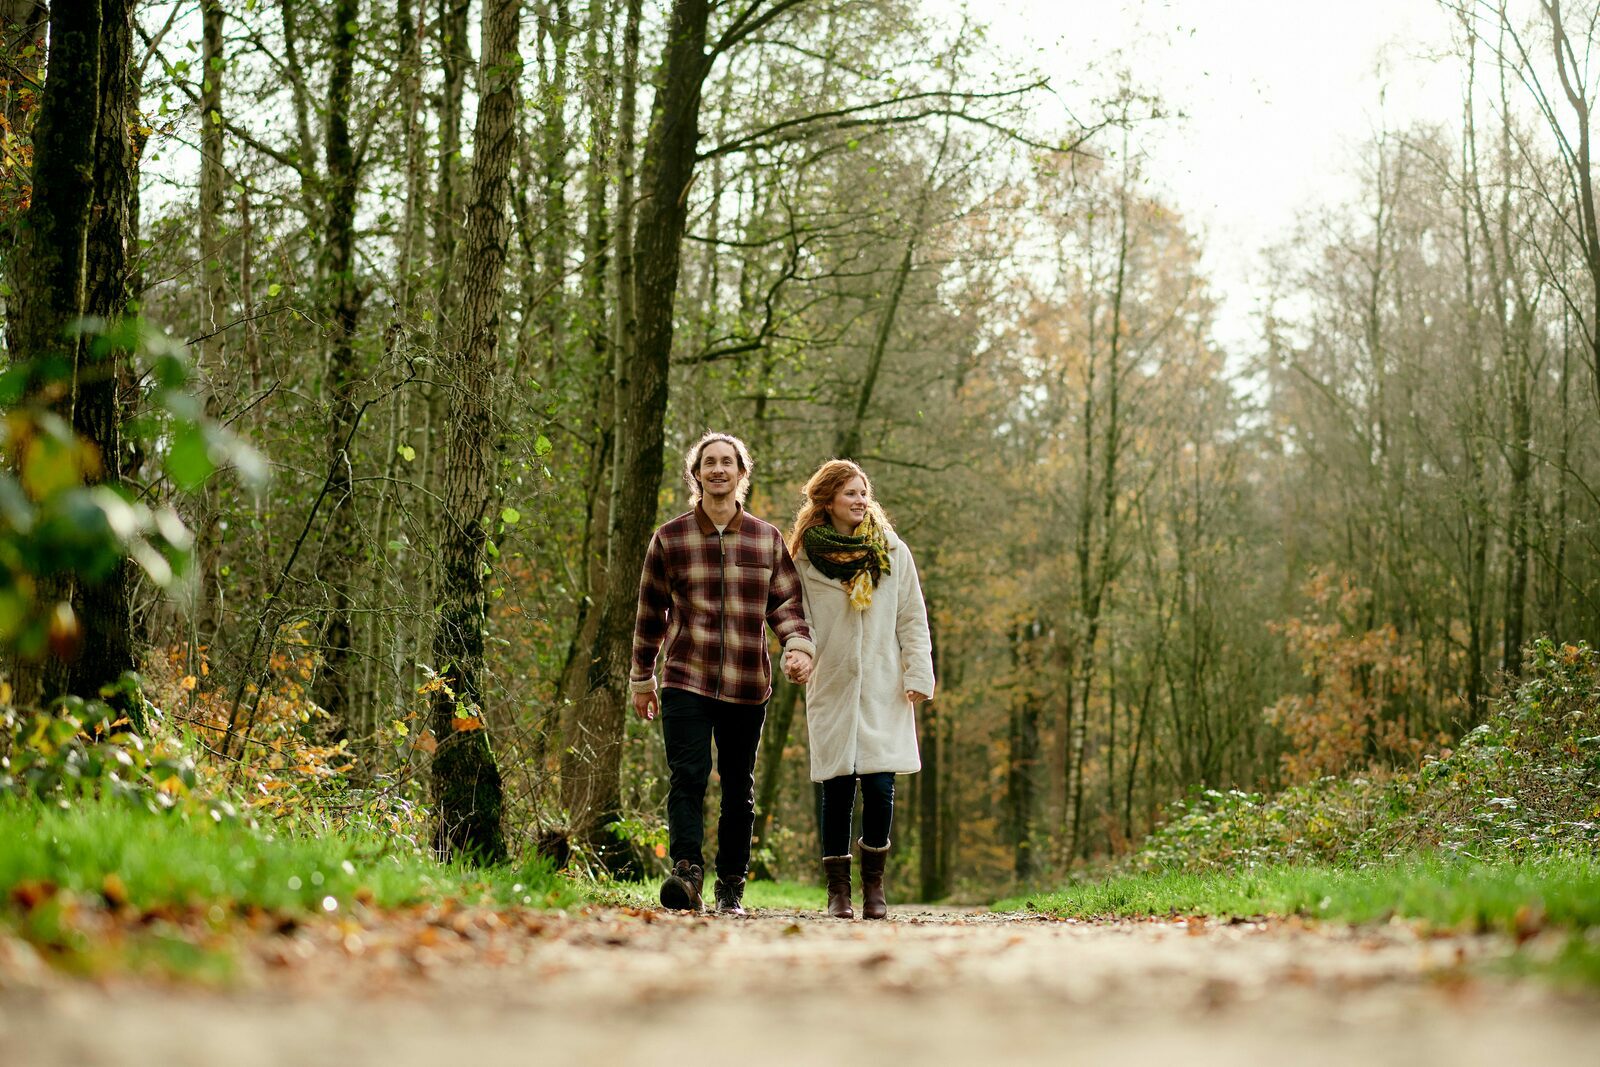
[(623, 986)]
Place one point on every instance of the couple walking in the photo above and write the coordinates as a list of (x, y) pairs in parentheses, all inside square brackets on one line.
[(841, 593)]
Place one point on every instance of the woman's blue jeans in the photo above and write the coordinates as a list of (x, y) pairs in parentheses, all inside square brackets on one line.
[(839, 801)]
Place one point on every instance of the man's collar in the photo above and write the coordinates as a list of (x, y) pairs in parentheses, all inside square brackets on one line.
[(708, 527)]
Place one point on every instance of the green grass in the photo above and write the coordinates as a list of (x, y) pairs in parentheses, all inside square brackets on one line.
[(108, 887), (787, 896), (167, 860), (1557, 891)]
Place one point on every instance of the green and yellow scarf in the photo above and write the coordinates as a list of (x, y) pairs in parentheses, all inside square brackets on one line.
[(858, 562)]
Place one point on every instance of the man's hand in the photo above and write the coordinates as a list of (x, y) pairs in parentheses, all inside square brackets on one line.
[(797, 666), (645, 705), (915, 697)]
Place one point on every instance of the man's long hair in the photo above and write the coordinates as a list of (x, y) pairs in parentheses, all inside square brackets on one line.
[(691, 465), (819, 492)]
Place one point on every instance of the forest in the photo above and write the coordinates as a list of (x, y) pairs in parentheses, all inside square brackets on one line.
[(352, 348)]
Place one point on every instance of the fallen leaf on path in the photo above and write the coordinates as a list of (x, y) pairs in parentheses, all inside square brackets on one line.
[(29, 895), (112, 888), (1528, 922)]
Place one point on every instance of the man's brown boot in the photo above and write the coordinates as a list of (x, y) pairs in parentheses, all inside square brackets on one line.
[(730, 896), (681, 890), (873, 860), (838, 871)]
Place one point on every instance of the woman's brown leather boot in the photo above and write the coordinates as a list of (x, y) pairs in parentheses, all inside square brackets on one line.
[(837, 869), (873, 860)]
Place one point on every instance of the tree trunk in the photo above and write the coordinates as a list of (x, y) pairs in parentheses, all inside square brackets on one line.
[(339, 563), (102, 607), (22, 26), (1095, 565), (467, 793), (597, 247), (213, 182), (48, 273), (455, 57), (769, 777), (206, 617), (849, 438), (555, 23), (1579, 164), (591, 765), (930, 825), (409, 29), (1519, 463), (1022, 762)]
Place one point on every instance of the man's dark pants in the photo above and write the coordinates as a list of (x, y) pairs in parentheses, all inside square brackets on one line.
[(689, 724)]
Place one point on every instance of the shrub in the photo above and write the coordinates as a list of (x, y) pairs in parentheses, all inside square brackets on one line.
[(1525, 782)]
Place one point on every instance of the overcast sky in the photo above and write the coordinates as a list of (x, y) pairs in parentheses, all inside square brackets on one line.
[(1278, 97)]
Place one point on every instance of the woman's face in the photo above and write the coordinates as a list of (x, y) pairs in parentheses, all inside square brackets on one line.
[(849, 505)]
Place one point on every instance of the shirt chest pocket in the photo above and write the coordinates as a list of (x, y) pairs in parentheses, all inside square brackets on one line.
[(753, 560)]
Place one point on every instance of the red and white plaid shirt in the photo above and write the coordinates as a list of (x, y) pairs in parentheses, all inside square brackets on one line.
[(712, 596)]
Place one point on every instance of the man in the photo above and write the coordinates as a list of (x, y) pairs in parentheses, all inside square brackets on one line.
[(714, 578)]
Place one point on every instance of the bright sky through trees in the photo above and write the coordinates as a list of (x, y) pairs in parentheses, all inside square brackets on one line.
[(1274, 96)]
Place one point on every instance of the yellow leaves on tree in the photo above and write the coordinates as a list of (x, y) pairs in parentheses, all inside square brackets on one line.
[(1365, 687)]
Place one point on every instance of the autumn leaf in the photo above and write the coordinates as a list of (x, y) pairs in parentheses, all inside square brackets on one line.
[(113, 889), (466, 725)]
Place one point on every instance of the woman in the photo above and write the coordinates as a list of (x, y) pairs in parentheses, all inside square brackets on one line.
[(874, 664)]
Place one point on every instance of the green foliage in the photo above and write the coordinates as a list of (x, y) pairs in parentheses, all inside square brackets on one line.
[(82, 750), (1526, 782), (61, 512)]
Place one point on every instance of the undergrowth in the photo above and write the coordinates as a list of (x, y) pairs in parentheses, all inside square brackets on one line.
[(1524, 784), (1502, 833)]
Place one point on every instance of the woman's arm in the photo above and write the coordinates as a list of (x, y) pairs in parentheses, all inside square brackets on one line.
[(911, 627), (786, 614)]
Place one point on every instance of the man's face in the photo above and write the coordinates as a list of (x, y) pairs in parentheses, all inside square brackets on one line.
[(718, 470)]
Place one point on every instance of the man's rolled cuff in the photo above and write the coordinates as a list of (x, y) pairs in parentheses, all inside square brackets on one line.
[(642, 685), (800, 644)]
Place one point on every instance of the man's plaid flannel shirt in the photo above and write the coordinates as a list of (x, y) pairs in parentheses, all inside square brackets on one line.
[(711, 596)]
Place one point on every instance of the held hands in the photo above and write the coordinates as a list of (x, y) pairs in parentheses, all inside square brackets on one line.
[(645, 705), (797, 666)]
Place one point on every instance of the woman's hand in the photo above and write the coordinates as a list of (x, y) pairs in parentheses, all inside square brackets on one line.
[(797, 666), (915, 697)]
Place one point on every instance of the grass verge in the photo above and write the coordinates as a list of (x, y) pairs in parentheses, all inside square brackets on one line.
[(1562, 891), (106, 886), (1516, 898)]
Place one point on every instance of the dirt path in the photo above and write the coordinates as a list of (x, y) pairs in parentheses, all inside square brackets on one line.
[(621, 987)]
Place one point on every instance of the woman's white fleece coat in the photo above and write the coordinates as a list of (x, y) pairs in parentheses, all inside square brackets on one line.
[(857, 712)]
